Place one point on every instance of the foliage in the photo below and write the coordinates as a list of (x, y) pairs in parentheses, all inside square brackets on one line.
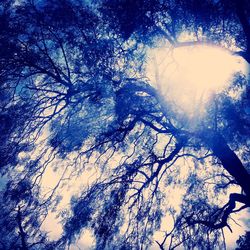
[(75, 98), (243, 242)]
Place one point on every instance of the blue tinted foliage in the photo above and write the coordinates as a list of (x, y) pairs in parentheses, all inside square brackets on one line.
[(82, 212), (74, 97)]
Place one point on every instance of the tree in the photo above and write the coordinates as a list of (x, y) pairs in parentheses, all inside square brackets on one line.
[(74, 90), (243, 242)]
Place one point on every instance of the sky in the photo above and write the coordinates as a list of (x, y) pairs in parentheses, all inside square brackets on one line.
[(188, 76)]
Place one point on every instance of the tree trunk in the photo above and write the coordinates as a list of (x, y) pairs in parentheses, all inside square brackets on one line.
[(229, 160)]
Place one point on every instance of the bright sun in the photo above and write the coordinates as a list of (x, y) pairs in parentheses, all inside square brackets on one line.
[(187, 76)]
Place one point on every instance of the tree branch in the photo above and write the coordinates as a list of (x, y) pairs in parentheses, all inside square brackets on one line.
[(227, 210), (21, 230), (229, 159)]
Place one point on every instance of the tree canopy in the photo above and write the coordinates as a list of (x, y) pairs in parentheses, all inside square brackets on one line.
[(75, 98)]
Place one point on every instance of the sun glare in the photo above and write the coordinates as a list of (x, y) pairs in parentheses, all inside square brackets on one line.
[(188, 76)]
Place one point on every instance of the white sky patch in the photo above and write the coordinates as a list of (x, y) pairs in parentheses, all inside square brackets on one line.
[(52, 223), (188, 76)]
